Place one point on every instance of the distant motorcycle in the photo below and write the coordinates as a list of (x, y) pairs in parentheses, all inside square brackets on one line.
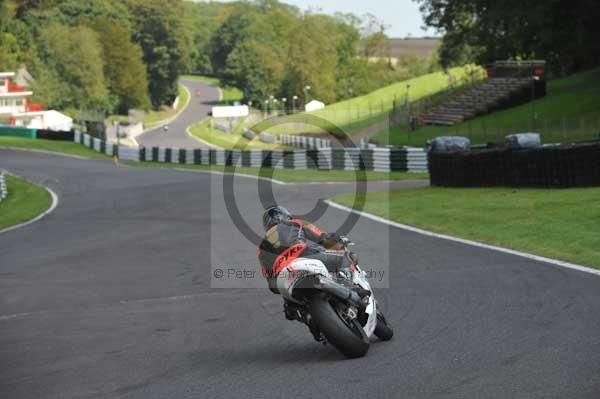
[(166, 128), (337, 308)]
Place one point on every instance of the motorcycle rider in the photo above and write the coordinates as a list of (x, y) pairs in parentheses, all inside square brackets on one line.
[(287, 239)]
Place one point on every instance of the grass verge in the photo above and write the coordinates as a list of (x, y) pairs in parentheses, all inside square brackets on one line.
[(357, 113), (203, 131), (155, 118), (230, 94), (569, 112), (24, 202), (66, 147), (561, 224)]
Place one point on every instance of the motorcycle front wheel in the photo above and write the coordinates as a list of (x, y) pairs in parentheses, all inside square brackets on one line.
[(346, 336), (383, 331)]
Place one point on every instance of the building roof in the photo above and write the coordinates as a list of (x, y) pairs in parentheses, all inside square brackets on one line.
[(7, 74), (23, 77), (16, 94)]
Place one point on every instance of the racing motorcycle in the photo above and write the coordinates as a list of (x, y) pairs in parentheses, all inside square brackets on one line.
[(338, 308)]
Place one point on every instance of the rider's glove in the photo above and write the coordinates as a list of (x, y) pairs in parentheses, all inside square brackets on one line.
[(332, 237), (332, 241)]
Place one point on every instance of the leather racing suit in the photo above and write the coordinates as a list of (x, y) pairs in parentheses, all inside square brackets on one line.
[(289, 240)]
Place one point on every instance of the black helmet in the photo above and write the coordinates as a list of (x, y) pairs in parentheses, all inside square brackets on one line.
[(274, 215)]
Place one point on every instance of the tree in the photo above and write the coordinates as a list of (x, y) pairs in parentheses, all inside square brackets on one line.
[(312, 61), (159, 29), (15, 39), (256, 67), (375, 43), (9, 52), (124, 69), (75, 70), (487, 30)]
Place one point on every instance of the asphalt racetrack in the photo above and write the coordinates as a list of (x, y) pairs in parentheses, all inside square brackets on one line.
[(203, 97), (110, 296)]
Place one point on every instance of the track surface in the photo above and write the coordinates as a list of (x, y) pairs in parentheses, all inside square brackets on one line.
[(110, 297), (202, 98)]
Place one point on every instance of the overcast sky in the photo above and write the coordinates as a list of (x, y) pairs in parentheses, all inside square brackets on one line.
[(401, 16)]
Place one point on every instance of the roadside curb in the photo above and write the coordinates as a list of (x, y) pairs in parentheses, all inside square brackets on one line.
[(53, 206), (555, 262)]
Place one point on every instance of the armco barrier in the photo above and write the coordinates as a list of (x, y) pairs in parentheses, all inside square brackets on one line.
[(375, 159), (558, 166)]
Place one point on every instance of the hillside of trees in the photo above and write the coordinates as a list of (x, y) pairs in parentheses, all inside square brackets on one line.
[(564, 33), (115, 55)]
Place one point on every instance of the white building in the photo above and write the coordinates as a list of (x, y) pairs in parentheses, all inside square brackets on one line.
[(314, 105), (17, 110), (13, 98)]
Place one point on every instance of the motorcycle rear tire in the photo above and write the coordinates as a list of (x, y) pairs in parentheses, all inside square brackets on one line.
[(350, 340)]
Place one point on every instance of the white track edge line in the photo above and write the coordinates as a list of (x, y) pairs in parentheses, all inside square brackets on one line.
[(417, 230), (41, 215), (63, 154)]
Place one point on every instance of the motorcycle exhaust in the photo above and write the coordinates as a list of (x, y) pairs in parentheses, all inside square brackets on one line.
[(339, 291)]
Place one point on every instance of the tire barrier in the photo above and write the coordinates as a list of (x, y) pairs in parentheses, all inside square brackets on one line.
[(371, 159), (267, 138), (304, 142), (550, 166), (3, 187), (249, 134), (52, 135)]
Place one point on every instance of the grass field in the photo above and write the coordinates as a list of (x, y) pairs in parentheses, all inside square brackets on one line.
[(24, 202), (359, 112), (66, 147), (562, 224), (569, 112), (203, 131), (230, 94), (293, 176)]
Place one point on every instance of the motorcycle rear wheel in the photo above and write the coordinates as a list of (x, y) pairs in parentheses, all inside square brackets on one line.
[(347, 337)]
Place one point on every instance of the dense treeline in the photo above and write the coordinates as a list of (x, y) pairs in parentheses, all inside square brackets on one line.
[(97, 54), (122, 54), (565, 33), (273, 49)]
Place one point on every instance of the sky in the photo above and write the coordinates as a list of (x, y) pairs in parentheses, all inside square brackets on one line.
[(402, 17)]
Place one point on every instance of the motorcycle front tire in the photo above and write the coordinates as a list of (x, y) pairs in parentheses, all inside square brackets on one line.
[(383, 331)]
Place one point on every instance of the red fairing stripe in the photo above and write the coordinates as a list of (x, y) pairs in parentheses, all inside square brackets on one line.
[(314, 229), (287, 257)]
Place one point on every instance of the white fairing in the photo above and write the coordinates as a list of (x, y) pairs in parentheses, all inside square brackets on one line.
[(360, 278), (301, 267), (292, 274)]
